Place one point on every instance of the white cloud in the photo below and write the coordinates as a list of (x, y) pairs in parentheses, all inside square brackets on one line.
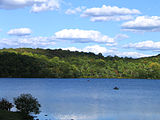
[(71, 35), (49, 5), (75, 10), (106, 13), (37, 5), (131, 54), (14, 4), (83, 36), (98, 49), (31, 42), (20, 32), (95, 49), (145, 45), (49, 42), (111, 18), (121, 36), (72, 49), (111, 44), (143, 24)]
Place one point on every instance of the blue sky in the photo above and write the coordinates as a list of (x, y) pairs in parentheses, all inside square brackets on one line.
[(111, 27)]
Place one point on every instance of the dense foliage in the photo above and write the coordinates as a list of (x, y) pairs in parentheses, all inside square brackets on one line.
[(27, 62), (26, 103)]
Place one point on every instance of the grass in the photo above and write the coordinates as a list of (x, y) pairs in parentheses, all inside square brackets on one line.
[(6, 115)]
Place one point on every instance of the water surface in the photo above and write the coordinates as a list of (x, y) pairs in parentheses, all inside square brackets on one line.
[(81, 99)]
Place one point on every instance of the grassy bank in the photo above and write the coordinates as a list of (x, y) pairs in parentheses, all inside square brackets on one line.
[(6, 115)]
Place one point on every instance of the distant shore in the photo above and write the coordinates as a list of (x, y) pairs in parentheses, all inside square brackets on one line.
[(58, 63)]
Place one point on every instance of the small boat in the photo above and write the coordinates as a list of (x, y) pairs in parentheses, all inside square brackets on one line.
[(116, 88)]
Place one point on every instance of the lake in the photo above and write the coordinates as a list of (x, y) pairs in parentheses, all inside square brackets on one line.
[(80, 99)]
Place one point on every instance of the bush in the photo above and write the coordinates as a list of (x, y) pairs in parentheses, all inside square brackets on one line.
[(5, 105), (25, 103)]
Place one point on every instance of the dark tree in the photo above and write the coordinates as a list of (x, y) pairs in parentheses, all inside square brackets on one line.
[(5, 104), (26, 103)]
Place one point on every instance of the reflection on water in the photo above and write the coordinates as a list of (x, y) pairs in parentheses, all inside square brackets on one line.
[(80, 99)]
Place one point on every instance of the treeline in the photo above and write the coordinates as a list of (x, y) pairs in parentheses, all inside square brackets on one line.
[(46, 63)]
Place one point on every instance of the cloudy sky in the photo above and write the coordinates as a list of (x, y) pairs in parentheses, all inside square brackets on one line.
[(111, 27)]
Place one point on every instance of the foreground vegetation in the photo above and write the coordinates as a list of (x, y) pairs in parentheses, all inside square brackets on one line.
[(25, 104), (8, 115), (46, 63)]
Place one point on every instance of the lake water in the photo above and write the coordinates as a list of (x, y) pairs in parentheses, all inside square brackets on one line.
[(80, 99)]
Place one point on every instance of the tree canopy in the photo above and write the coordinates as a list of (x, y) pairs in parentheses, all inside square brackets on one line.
[(58, 63), (26, 103)]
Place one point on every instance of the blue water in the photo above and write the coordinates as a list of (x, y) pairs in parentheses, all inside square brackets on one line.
[(80, 99)]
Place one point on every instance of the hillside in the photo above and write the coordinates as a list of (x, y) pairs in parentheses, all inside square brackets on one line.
[(46, 63)]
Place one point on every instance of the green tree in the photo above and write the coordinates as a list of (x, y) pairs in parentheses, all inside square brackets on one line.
[(5, 104), (154, 70), (26, 103)]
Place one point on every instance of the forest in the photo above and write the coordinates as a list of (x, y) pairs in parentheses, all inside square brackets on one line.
[(58, 63)]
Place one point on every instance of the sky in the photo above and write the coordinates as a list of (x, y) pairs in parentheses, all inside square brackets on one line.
[(126, 28)]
